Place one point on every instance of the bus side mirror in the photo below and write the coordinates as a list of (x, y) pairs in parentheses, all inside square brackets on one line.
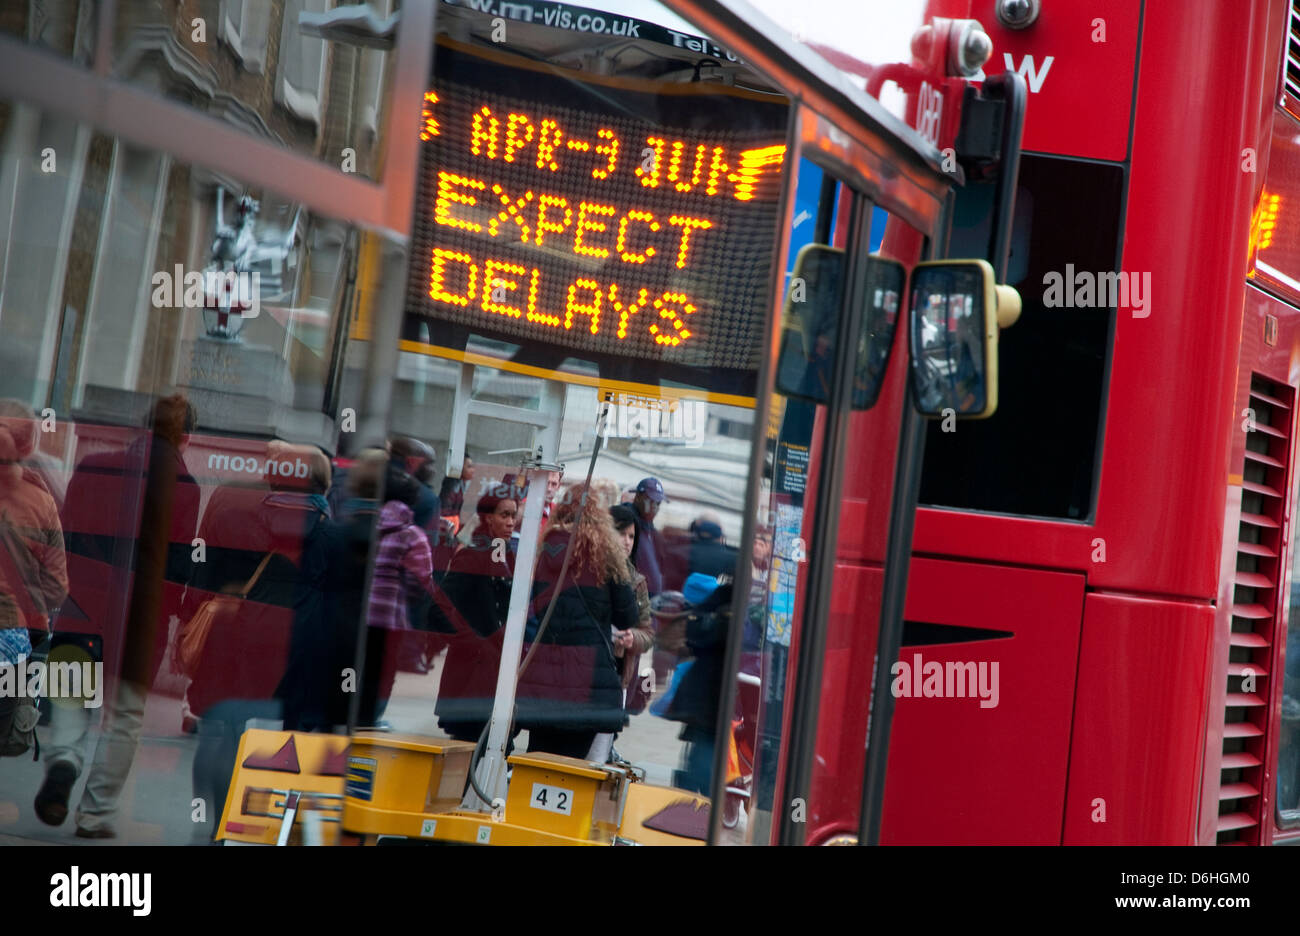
[(885, 282), (810, 319), (956, 311)]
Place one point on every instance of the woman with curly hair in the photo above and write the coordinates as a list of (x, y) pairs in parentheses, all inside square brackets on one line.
[(572, 689)]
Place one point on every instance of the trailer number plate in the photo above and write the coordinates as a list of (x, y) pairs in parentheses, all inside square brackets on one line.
[(552, 799)]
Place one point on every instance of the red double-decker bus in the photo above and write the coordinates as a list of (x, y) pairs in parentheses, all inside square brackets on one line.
[(1093, 644)]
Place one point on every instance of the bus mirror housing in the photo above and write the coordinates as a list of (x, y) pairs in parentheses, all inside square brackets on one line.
[(810, 319), (956, 311)]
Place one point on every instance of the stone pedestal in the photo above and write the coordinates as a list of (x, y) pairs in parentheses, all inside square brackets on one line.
[(237, 387)]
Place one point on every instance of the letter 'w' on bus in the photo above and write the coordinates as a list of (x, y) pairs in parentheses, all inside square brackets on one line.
[(1248, 420), (1098, 810), (1029, 71), (1099, 550)]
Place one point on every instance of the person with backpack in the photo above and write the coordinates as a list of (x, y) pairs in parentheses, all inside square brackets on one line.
[(33, 566), (694, 702)]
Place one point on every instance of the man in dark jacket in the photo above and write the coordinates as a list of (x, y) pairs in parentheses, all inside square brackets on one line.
[(472, 607), (416, 458), (708, 554), (146, 483), (650, 545)]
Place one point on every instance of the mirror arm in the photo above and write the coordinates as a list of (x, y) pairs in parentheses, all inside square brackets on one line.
[(1008, 302)]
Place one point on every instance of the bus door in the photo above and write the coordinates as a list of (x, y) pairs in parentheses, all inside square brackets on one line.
[(824, 493), (839, 488)]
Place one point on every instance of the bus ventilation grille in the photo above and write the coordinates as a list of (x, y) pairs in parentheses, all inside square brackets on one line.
[(1256, 585), (1291, 78)]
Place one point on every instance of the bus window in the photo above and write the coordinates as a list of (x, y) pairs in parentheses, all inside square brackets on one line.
[(178, 377), (780, 545), (587, 297), (776, 626), (1038, 455)]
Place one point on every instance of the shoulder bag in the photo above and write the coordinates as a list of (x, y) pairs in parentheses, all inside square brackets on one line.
[(219, 609)]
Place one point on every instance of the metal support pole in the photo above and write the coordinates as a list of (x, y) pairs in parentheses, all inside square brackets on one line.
[(491, 773)]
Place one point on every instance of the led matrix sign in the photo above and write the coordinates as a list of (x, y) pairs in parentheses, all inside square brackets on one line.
[(594, 228)]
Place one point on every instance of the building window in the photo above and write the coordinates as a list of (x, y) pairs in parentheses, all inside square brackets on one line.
[(245, 25), (300, 83)]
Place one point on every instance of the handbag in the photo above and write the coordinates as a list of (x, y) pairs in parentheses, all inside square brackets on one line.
[(221, 609), (637, 696)]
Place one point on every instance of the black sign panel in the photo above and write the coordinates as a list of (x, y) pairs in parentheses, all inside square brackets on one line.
[(622, 222)]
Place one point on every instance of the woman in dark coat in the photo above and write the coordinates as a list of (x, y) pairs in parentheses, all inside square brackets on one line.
[(471, 606), (572, 689)]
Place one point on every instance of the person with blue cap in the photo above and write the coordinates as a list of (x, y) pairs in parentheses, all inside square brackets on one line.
[(692, 697), (650, 547)]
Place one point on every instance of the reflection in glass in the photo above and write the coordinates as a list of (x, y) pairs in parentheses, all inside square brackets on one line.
[(181, 331), (885, 279), (812, 316), (297, 71), (948, 328), (1288, 759), (587, 227), (63, 27)]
